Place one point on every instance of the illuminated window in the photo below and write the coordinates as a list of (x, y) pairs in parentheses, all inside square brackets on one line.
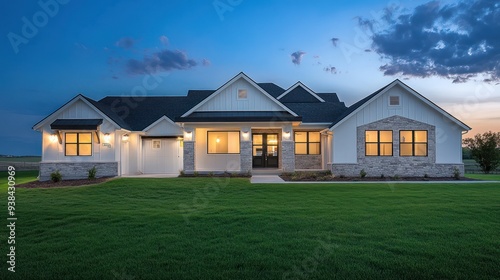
[(413, 143), (378, 143), (307, 143), (223, 142), (78, 144), (242, 94)]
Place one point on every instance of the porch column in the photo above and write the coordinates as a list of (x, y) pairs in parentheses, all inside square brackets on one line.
[(287, 150), (189, 165), (246, 150)]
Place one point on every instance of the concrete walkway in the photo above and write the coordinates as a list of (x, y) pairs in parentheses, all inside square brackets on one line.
[(150, 176), (266, 179)]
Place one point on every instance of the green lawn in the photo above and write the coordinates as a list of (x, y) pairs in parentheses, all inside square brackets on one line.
[(194, 228), (21, 159), (485, 177)]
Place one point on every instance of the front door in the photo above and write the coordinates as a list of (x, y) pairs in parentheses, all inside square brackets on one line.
[(265, 150)]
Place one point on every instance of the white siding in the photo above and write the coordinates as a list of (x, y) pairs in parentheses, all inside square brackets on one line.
[(227, 100), (448, 134), (165, 160), (213, 162), (53, 151), (164, 128)]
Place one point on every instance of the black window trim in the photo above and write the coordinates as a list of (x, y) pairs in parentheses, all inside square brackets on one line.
[(379, 142), (239, 139), (413, 143), (307, 143), (78, 144)]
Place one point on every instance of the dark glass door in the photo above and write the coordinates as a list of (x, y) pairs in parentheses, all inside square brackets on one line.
[(265, 150)]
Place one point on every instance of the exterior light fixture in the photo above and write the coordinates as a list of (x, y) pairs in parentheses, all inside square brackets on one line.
[(125, 138), (106, 138), (217, 140), (53, 138), (286, 134)]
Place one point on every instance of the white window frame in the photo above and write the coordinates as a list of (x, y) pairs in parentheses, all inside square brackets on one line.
[(153, 144)]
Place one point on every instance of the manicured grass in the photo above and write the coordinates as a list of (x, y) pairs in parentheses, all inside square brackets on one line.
[(21, 159), (203, 228), (485, 177)]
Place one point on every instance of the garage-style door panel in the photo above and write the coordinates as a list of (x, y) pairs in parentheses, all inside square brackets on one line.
[(161, 156)]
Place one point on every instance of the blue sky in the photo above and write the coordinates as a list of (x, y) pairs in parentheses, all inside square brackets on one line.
[(449, 51)]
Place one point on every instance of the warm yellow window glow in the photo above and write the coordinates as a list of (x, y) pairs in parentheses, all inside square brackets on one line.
[(378, 143), (413, 143), (78, 144), (307, 143), (223, 142)]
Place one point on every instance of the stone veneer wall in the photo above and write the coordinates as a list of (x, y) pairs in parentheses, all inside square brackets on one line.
[(288, 155), (308, 162), (77, 170), (375, 166), (245, 156), (189, 158)]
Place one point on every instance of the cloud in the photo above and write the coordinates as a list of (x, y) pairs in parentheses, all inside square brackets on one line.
[(334, 41), (366, 24), (330, 69), (206, 62), (164, 40), (125, 42), (297, 57), (456, 41), (165, 60)]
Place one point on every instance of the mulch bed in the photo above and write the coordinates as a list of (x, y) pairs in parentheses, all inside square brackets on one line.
[(64, 183)]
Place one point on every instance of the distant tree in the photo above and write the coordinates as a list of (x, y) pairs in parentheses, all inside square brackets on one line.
[(485, 150), (466, 154)]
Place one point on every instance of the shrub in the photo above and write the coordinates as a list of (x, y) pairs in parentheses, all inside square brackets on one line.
[(396, 177), (195, 174), (485, 150), (362, 173), (456, 173), (342, 176), (92, 173), (426, 175), (210, 174), (382, 176), (181, 173), (56, 176)]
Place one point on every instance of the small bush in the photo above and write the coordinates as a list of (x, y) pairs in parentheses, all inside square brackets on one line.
[(181, 173), (396, 177), (456, 173), (362, 173), (342, 176), (210, 174), (426, 175), (92, 173), (195, 174), (56, 176), (382, 176)]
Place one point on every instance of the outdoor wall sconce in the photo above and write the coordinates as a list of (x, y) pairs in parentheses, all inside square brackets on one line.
[(106, 138), (286, 134), (125, 138), (188, 135), (53, 138)]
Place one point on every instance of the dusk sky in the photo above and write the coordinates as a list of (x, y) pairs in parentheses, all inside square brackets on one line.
[(449, 51)]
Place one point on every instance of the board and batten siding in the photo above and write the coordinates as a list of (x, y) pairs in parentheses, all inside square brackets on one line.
[(448, 134), (227, 100), (53, 151)]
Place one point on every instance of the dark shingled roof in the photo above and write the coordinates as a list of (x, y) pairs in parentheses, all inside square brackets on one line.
[(138, 112), (356, 105), (299, 95), (273, 89), (323, 112), (239, 116)]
